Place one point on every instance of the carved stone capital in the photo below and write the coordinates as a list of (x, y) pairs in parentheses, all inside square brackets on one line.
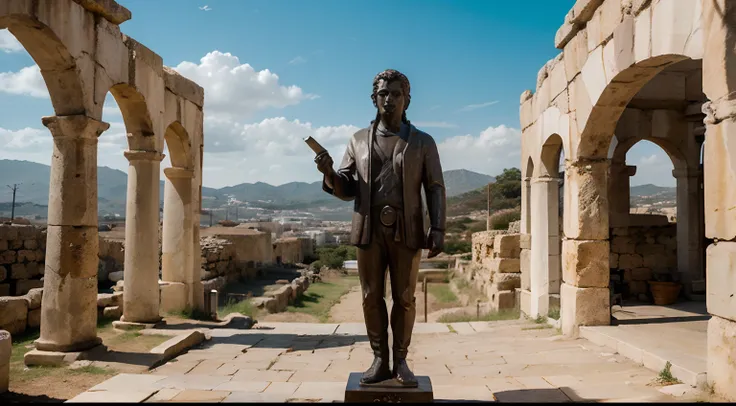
[(138, 155), (178, 173), (78, 126)]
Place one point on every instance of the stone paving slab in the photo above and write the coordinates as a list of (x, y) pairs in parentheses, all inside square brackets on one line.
[(510, 361), (357, 329), (119, 396)]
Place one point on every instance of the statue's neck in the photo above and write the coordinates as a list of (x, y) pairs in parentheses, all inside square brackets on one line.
[(391, 125)]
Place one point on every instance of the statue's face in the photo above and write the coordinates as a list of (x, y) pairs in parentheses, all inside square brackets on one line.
[(390, 100)]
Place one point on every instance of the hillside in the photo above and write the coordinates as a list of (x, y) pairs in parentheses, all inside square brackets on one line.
[(112, 184)]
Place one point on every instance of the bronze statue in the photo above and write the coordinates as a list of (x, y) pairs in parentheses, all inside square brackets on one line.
[(383, 170)]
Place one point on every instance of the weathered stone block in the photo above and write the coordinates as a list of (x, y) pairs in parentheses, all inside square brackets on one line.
[(15, 244), (6, 349), (502, 265), (112, 312), (586, 200), (584, 307), (525, 241), (507, 246), (641, 274), (526, 269), (104, 299), (613, 260), (630, 261), (30, 244), (586, 263), (7, 257), (659, 261), (26, 256), (24, 285), (18, 271), (721, 279), (34, 318), (506, 281), (4, 289), (33, 297), (13, 314), (721, 356), (505, 299), (650, 249), (3, 245), (8, 232)]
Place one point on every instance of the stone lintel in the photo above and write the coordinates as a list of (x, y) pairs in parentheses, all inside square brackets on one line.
[(175, 173), (135, 155), (545, 179), (682, 173), (183, 87), (110, 10), (75, 126)]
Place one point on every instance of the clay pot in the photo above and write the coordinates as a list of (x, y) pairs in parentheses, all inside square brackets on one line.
[(665, 293)]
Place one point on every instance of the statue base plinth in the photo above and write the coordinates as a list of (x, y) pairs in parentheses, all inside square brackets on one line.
[(388, 391)]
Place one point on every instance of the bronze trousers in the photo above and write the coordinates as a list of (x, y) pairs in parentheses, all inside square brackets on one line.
[(403, 266)]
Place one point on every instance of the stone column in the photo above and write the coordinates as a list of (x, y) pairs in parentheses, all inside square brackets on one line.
[(69, 306), (619, 185), (719, 84), (545, 272), (526, 207), (585, 294), (141, 290), (689, 238), (177, 262)]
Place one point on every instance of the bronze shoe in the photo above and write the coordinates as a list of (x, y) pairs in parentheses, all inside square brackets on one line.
[(378, 372), (403, 374)]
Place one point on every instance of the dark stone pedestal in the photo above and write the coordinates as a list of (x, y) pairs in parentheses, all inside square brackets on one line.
[(388, 391)]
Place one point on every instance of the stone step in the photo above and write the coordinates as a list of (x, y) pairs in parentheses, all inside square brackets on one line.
[(653, 349)]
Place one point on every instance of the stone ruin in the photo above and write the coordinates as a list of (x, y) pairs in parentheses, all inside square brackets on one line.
[(632, 70), (83, 55)]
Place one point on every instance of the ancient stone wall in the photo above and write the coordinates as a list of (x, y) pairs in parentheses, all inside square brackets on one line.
[(250, 245), (640, 254), (218, 260), (495, 267), (112, 256), (18, 313), (277, 300), (22, 254), (292, 250)]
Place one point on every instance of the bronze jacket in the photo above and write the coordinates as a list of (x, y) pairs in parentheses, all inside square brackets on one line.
[(417, 161)]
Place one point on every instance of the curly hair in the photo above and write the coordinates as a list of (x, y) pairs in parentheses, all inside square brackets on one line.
[(390, 75)]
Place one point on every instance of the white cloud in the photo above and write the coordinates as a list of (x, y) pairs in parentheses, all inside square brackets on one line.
[(271, 151), (494, 149), (434, 124), (649, 160), (234, 90), (471, 107), (28, 81), (297, 60), (205, 8), (8, 42), (26, 140)]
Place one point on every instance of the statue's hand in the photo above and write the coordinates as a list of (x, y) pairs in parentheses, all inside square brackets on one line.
[(324, 163), (435, 242)]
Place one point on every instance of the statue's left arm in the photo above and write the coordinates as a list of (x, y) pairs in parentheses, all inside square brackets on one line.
[(434, 186)]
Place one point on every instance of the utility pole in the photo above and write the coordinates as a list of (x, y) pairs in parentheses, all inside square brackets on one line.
[(227, 213), (237, 214), (12, 207)]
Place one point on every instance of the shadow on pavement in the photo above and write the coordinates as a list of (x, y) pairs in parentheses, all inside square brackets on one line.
[(12, 397)]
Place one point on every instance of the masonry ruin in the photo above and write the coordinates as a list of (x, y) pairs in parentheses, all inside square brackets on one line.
[(632, 70), (83, 55)]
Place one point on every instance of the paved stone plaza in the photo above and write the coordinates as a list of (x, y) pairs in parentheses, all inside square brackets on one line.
[(509, 361)]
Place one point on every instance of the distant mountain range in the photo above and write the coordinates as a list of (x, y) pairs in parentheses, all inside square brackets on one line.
[(112, 189), (652, 190)]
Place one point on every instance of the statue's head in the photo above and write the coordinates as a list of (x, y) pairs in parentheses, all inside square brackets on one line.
[(391, 94)]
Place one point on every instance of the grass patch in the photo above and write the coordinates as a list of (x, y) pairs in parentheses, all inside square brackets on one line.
[(490, 316), (540, 319), (554, 313), (540, 327), (452, 329), (665, 376), (442, 292), (192, 314), (321, 296), (244, 307), (90, 369)]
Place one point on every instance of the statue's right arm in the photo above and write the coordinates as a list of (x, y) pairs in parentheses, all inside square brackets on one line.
[(342, 183)]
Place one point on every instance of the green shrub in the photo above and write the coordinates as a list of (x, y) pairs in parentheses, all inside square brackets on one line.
[(501, 219)]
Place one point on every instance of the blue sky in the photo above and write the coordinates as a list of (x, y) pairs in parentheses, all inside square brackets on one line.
[(468, 62)]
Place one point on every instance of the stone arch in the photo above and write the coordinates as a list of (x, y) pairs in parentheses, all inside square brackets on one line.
[(58, 67), (676, 156), (136, 116), (179, 145), (552, 150)]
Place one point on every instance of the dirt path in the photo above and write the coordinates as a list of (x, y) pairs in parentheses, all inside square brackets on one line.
[(350, 308)]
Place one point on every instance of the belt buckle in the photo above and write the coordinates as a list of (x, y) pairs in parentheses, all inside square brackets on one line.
[(388, 216)]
